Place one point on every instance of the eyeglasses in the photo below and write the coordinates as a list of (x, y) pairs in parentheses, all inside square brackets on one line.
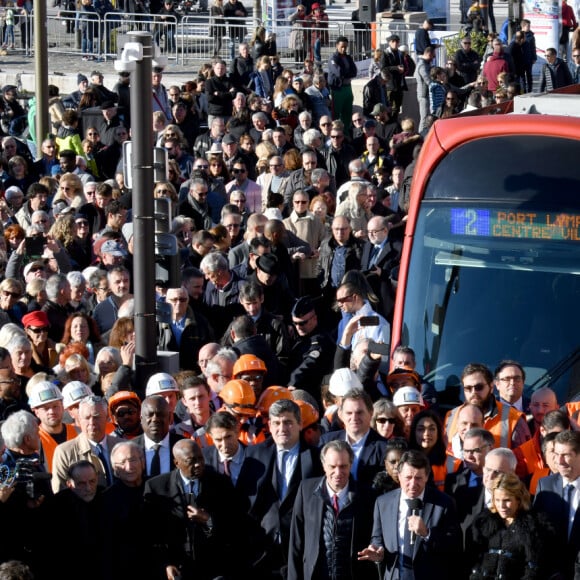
[(37, 269), (200, 193), (383, 420), (477, 388), (516, 379), (276, 165), (236, 171), (336, 136), (300, 201), (201, 167), (38, 330), (7, 294), (102, 288), (345, 299), (175, 300)]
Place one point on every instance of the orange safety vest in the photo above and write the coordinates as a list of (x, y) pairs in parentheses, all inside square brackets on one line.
[(49, 444), (529, 456), (501, 425), (538, 474), (440, 472), (572, 408)]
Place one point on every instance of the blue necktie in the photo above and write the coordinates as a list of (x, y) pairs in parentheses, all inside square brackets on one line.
[(101, 455)]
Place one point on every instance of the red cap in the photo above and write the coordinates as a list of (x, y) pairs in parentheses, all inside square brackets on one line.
[(37, 318)]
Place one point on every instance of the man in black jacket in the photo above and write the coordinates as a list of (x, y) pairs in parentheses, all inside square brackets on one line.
[(194, 519), (328, 530), (220, 93), (270, 476)]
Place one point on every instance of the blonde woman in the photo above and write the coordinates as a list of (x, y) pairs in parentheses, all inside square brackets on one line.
[(70, 191)]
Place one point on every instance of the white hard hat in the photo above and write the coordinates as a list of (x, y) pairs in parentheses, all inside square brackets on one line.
[(342, 381), (160, 383), (74, 392), (42, 393), (407, 396)]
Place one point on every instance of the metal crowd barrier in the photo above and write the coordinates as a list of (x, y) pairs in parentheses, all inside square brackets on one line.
[(196, 38)]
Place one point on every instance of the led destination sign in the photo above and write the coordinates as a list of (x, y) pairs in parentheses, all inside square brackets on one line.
[(528, 225)]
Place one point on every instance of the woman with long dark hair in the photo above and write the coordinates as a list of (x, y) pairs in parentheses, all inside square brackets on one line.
[(427, 435)]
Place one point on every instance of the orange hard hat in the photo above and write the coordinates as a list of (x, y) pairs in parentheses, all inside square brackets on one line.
[(128, 397), (270, 396), (247, 363), (308, 413), (407, 374), (239, 396)]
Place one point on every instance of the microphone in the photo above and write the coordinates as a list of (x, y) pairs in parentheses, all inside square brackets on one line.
[(415, 506)]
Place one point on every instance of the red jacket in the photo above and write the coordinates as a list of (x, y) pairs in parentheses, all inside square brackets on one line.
[(494, 65)]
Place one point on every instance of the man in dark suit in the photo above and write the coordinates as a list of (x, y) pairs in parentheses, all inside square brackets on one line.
[(227, 453), (356, 411), (466, 485), (156, 440), (270, 476), (426, 520), (193, 519), (557, 496), (379, 257), (332, 521)]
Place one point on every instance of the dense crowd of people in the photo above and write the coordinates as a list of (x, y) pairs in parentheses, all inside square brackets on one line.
[(291, 443)]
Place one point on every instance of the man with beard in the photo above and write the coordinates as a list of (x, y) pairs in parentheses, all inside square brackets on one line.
[(507, 424)]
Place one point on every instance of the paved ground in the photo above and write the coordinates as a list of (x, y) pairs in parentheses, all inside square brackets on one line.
[(64, 66)]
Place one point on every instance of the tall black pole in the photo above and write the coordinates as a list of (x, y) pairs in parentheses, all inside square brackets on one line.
[(41, 73), (143, 221)]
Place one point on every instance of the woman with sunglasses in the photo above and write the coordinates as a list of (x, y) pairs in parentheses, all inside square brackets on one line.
[(386, 420), (44, 352), (11, 309)]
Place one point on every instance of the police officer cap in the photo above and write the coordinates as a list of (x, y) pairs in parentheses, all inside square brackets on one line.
[(302, 307)]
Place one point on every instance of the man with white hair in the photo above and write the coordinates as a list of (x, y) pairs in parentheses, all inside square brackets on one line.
[(305, 122), (187, 332), (57, 307), (221, 292), (92, 444)]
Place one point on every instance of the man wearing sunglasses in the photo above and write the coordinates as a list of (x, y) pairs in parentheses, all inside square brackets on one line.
[(508, 425), (312, 355)]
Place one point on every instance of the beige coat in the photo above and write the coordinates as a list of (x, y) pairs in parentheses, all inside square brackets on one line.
[(70, 452), (311, 230)]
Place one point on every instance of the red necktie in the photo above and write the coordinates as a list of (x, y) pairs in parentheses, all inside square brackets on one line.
[(335, 505)]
